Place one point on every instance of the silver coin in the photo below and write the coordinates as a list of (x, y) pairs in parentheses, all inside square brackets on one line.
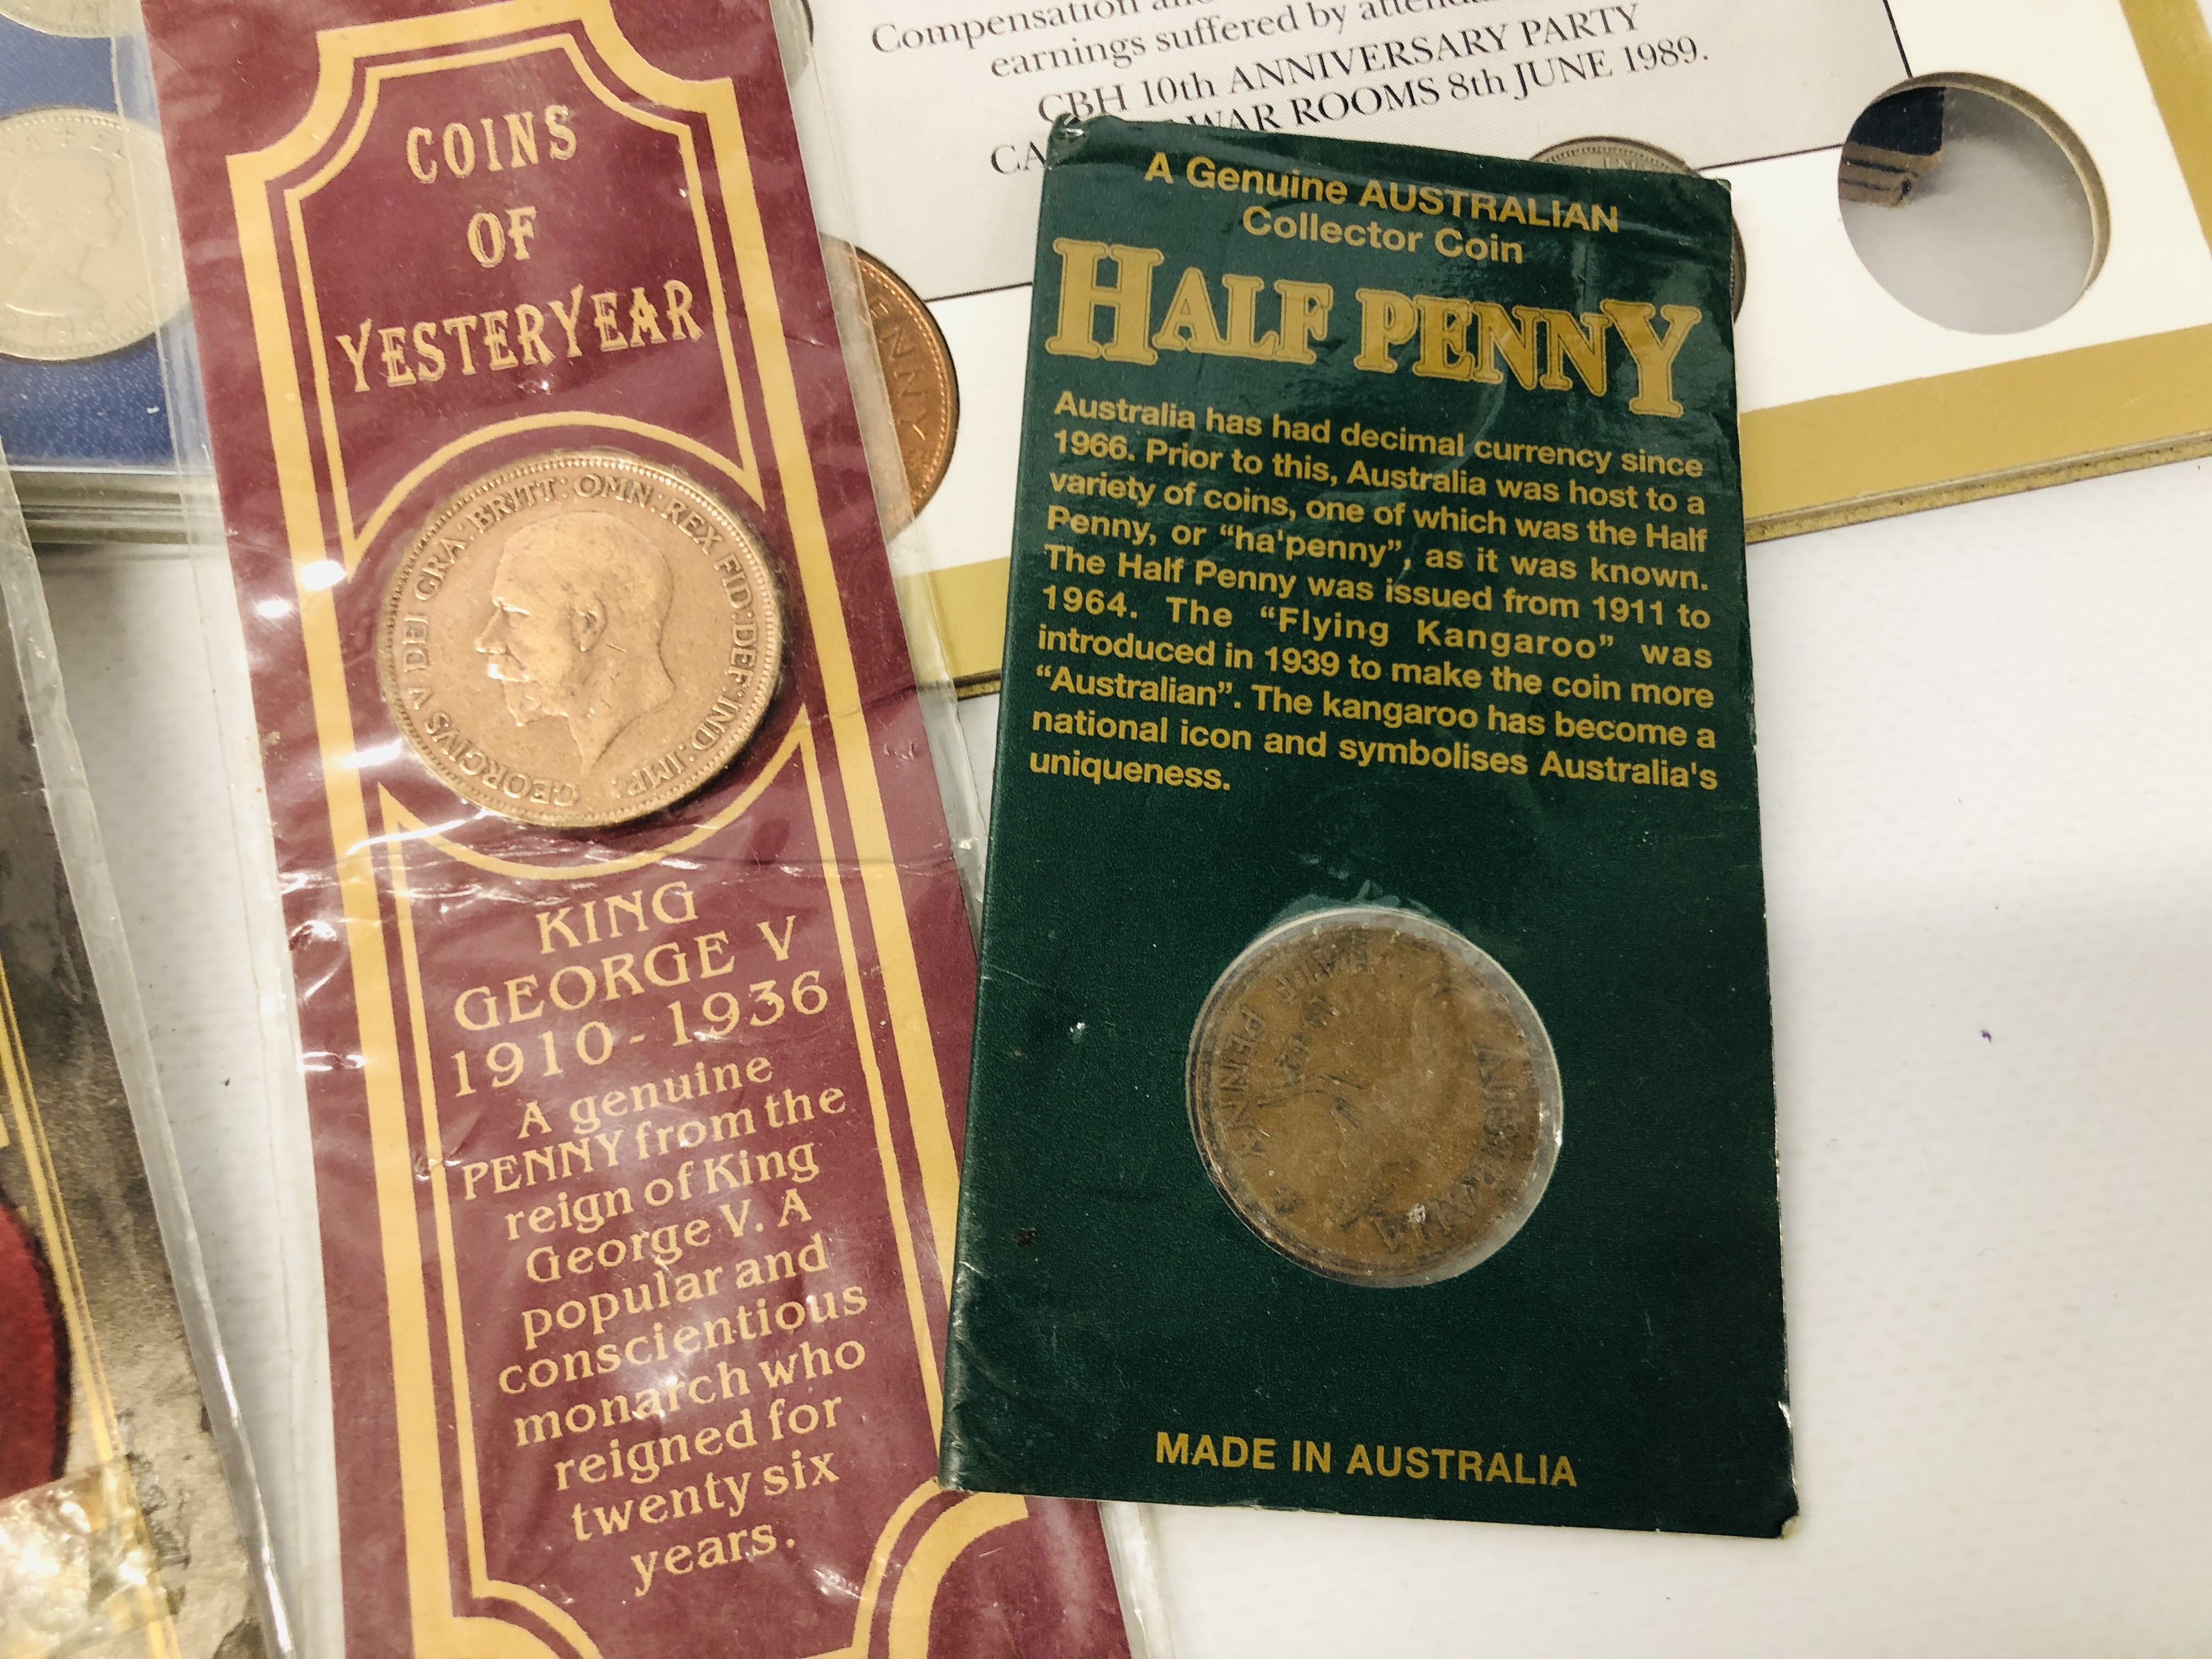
[(87, 258), (1632, 156), (84, 20)]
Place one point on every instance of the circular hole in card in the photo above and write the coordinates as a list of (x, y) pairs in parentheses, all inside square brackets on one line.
[(1374, 1095), (1972, 204)]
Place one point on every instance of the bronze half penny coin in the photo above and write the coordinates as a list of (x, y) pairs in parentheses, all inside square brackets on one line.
[(1374, 1095), (925, 397), (1632, 156), (580, 639)]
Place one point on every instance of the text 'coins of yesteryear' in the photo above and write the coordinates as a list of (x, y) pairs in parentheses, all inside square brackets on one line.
[(1634, 156), (580, 640), (84, 266), (918, 378), (1375, 1097)]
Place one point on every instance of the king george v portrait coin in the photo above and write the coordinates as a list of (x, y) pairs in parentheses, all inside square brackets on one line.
[(580, 639)]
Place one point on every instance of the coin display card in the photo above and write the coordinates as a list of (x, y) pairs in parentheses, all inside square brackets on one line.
[(1881, 410), (118, 1525), (87, 257), (1373, 1101), (635, 975)]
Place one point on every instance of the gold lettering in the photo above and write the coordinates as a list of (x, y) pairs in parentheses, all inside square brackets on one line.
[(461, 158), (568, 316), (1305, 318), (1563, 333), (487, 242), (459, 327), (1654, 357), (1387, 318), (1188, 324), (1129, 298), (521, 140), (521, 226), (1444, 355), (431, 364), (530, 334), (494, 340), (1243, 318), (607, 322), (396, 371), (563, 138), (359, 355), (1516, 339), (678, 299)]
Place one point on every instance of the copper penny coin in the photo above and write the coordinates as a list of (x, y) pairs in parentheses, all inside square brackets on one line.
[(87, 254), (580, 639), (1634, 156), (925, 397), (1374, 1095)]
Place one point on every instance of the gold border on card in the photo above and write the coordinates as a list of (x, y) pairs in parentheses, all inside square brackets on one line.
[(970, 604), (438, 1631), (1984, 432), (2020, 425)]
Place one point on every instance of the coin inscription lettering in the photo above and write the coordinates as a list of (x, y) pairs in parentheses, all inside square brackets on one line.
[(918, 377), (1375, 1097), (86, 260), (581, 640)]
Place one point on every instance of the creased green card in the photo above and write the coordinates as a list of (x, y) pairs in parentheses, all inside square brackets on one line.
[(1373, 1104)]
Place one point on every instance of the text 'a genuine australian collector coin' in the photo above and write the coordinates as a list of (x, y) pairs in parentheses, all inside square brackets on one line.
[(918, 378), (1634, 156), (86, 262), (580, 640), (1375, 1097)]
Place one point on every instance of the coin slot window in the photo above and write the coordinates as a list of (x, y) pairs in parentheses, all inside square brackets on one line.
[(1972, 203)]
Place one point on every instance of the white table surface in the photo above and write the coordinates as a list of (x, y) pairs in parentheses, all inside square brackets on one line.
[(1987, 786)]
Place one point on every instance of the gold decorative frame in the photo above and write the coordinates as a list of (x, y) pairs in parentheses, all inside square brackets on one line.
[(438, 1630)]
